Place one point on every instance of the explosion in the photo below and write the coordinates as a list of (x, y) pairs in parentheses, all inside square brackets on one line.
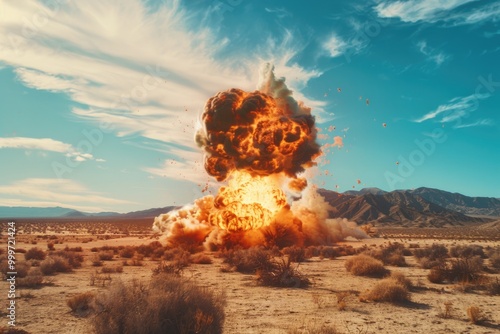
[(258, 143)]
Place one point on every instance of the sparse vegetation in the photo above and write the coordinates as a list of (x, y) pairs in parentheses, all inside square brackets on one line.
[(81, 304), (55, 264), (475, 314), (388, 290), (200, 258), (167, 305), (281, 273), (35, 253), (365, 265)]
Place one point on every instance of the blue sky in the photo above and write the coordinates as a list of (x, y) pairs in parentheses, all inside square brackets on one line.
[(100, 99)]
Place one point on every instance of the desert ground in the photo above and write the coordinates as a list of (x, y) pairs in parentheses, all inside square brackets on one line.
[(334, 300)]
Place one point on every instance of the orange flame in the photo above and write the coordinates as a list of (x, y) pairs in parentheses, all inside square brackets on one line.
[(247, 203)]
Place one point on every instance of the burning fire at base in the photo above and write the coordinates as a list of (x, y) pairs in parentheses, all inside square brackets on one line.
[(258, 143)]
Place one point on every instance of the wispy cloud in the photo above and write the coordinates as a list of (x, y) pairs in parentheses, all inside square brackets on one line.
[(418, 10), (456, 108), (45, 144), (445, 11), (481, 122), (336, 46), (54, 192), (490, 12), (280, 12), (432, 55), (137, 69)]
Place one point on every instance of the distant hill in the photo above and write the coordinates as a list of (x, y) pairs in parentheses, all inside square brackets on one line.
[(401, 208), (58, 212), (477, 206), (374, 191), (422, 207)]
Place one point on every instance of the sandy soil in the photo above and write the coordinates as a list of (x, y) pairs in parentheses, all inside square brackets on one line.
[(256, 309)]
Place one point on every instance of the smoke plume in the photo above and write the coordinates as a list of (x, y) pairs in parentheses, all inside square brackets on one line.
[(258, 143)]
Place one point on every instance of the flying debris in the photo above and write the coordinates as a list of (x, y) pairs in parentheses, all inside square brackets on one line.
[(384, 125), (367, 101), (339, 89), (359, 181), (397, 162)]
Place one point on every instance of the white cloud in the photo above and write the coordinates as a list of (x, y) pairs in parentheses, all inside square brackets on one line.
[(418, 10), (137, 69), (432, 55), (481, 122), (455, 109), (54, 192), (335, 46), (44, 144), (490, 12)]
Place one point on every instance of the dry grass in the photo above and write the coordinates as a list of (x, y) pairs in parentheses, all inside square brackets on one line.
[(342, 298), (387, 290), (248, 260), (365, 265), (167, 305), (281, 273), (447, 311), (475, 314), (81, 304), (200, 258), (35, 253), (295, 253), (55, 264)]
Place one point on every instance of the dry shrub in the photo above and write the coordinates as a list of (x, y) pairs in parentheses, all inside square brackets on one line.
[(151, 248), (249, 260), (432, 256), (466, 251), (402, 279), (392, 254), (81, 304), (35, 253), (388, 290), (50, 246), (493, 287), (342, 297), (110, 270), (295, 253), (280, 273), (106, 255), (127, 252), (494, 256), (167, 305), (55, 264), (328, 252), (447, 311), (365, 265), (73, 249), (311, 251), (99, 279), (465, 269), (74, 259), (200, 258), (33, 280), (96, 260), (475, 314), (172, 268), (179, 255)]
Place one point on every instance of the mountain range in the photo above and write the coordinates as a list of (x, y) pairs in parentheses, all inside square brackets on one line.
[(423, 207), (59, 212)]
